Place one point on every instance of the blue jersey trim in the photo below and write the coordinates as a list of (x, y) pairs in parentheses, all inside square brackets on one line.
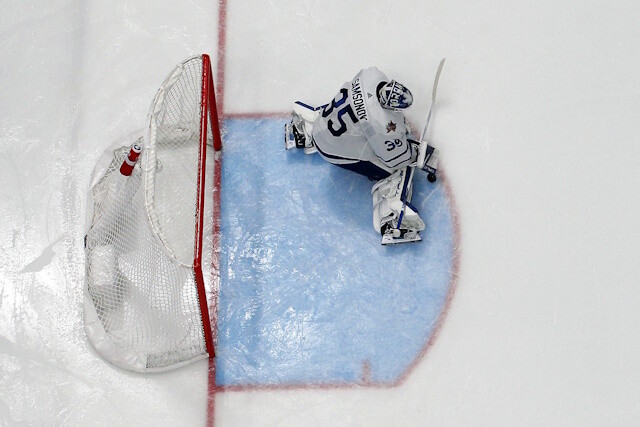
[(308, 107)]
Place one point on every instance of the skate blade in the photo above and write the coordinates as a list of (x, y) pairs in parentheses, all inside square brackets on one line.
[(408, 237)]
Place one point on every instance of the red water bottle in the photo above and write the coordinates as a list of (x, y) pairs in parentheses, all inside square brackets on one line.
[(130, 161)]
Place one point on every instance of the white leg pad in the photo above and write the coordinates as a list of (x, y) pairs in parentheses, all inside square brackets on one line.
[(388, 210), (384, 187), (302, 119), (306, 117), (309, 115), (388, 204)]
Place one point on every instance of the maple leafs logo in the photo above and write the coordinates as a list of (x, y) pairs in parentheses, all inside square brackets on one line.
[(391, 127)]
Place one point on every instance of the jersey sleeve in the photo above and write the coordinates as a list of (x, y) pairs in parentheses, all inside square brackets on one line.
[(389, 141)]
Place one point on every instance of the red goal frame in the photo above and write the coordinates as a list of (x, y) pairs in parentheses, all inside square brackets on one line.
[(208, 115)]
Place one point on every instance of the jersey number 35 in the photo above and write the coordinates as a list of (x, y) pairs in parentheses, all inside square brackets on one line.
[(338, 103)]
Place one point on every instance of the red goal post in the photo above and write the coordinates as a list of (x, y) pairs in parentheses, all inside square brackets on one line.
[(207, 105)]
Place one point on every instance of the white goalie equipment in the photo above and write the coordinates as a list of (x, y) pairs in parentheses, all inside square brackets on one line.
[(152, 239), (302, 119), (389, 196)]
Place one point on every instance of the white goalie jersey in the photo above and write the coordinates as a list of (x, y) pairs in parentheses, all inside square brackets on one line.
[(354, 127)]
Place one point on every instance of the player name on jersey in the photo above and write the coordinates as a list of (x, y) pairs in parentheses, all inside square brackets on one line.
[(358, 100)]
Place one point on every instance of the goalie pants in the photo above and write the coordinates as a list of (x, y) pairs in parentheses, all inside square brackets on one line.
[(362, 167), (367, 169)]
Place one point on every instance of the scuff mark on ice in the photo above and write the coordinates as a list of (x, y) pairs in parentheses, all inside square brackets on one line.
[(43, 260)]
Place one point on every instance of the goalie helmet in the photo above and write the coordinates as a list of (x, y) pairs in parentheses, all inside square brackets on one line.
[(394, 96)]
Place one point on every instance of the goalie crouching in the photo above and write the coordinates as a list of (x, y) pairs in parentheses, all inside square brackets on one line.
[(363, 129)]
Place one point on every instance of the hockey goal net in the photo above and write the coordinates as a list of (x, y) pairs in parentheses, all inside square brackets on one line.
[(152, 241)]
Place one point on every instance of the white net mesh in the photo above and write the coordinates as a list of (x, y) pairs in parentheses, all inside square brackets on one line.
[(142, 310)]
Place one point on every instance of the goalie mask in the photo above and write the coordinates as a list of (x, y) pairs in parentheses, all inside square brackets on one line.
[(394, 96)]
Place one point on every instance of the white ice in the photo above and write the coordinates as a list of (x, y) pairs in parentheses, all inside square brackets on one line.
[(537, 122)]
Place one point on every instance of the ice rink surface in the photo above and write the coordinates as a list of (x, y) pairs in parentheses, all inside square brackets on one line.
[(537, 123)]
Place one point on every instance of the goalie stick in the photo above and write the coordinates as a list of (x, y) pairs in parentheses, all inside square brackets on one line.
[(423, 142), (422, 150)]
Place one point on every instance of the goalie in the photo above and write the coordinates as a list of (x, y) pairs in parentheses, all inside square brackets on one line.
[(363, 130)]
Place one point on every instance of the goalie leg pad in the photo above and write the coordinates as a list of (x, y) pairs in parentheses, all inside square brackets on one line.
[(397, 185), (387, 186), (388, 211), (298, 131), (389, 196)]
